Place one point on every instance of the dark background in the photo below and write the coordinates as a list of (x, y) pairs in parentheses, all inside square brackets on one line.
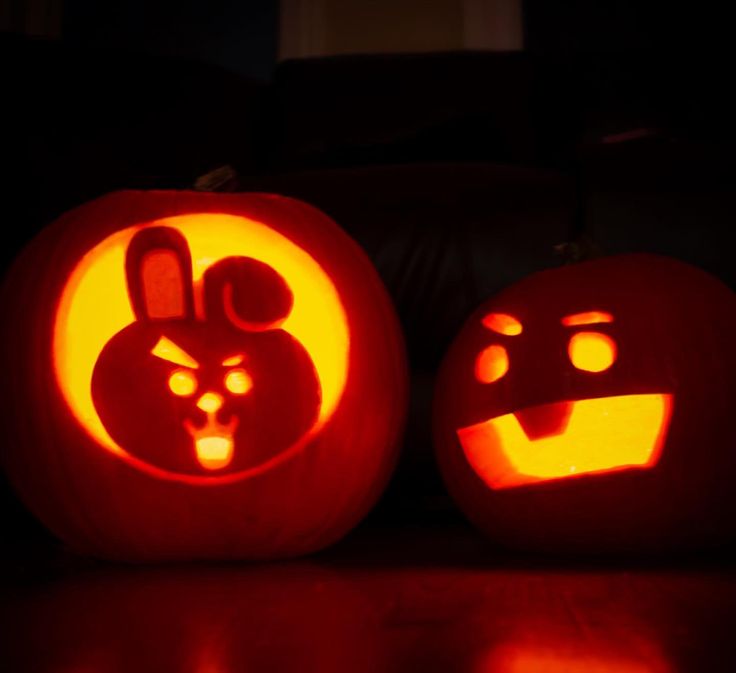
[(458, 172), (238, 36)]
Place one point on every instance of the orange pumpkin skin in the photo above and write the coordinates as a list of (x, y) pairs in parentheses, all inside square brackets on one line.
[(253, 411), (588, 409)]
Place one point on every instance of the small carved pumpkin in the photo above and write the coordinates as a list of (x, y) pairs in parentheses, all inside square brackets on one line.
[(588, 408), (200, 376)]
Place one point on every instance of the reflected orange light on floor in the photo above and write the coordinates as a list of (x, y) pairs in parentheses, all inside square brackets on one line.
[(94, 306), (584, 659), (602, 434)]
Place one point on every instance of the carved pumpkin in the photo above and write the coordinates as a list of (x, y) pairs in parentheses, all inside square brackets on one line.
[(233, 379), (588, 408), (201, 376)]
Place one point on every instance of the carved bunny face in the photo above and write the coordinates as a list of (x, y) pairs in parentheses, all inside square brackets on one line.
[(213, 394)]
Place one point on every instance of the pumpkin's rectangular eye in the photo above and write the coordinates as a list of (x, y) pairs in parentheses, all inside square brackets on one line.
[(587, 318)]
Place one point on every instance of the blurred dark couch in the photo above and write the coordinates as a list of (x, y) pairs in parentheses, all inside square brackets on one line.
[(458, 173)]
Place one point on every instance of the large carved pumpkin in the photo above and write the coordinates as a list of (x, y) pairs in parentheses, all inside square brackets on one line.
[(589, 408), (198, 375)]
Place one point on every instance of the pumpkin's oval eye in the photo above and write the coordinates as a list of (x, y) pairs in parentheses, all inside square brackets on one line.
[(238, 382), (182, 382), (491, 364), (592, 351), (503, 324)]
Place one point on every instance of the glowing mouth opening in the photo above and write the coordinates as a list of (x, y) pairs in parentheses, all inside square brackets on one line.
[(602, 435), (215, 452), (213, 444)]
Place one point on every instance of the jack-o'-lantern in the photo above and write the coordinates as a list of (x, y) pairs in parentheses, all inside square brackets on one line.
[(219, 395), (588, 409), (194, 375)]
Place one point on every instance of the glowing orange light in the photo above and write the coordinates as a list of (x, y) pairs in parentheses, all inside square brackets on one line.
[(94, 306), (592, 351), (169, 351), (602, 434), (214, 446), (233, 361), (182, 382), (165, 301), (503, 324), (238, 382), (491, 364), (214, 453), (578, 658), (210, 402), (587, 318)]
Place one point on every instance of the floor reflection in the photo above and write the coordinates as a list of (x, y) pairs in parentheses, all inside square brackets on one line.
[(569, 658), (291, 617), (539, 646), (569, 623), (476, 621), (362, 617)]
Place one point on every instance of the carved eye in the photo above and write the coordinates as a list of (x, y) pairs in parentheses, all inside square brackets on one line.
[(591, 351), (491, 364), (183, 382), (238, 382), (503, 324)]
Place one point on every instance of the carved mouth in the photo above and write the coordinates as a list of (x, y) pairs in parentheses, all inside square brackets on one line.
[(214, 445), (567, 439)]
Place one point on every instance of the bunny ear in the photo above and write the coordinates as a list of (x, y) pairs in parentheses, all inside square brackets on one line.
[(246, 293), (158, 268)]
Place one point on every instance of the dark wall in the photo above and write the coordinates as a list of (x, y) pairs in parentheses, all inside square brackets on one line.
[(240, 35), (625, 24)]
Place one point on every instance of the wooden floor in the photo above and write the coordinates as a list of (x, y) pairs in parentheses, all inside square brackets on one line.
[(395, 601)]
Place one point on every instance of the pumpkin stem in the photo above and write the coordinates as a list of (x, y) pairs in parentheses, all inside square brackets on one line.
[(581, 249), (581, 246), (221, 179)]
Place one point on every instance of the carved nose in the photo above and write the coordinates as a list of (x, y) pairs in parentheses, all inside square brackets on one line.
[(210, 402)]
